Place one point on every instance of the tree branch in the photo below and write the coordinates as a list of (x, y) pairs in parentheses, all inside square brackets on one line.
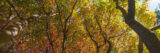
[(155, 28), (121, 9), (66, 20), (101, 31), (131, 9), (65, 30), (14, 9), (6, 24), (59, 12), (91, 36), (94, 41), (47, 27)]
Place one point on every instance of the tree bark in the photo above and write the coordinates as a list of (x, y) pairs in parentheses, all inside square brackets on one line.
[(63, 44), (94, 41), (148, 37), (47, 28), (140, 46), (110, 47), (48, 34), (103, 35)]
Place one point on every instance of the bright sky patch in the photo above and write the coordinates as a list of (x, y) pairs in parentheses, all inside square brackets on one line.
[(154, 4)]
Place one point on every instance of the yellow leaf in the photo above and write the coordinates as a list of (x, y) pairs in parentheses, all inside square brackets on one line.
[(154, 15), (154, 19)]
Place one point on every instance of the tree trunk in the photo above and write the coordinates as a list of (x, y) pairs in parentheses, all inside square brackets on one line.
[(148, 37)]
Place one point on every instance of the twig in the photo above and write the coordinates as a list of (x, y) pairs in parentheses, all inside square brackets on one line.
[(14, 9), (155, 28)]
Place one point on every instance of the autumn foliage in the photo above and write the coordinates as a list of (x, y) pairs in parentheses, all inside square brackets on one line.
[(70, 26)]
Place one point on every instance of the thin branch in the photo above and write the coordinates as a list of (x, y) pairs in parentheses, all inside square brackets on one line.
[(8, 21), (65, 30), (66, 20), (47, 27), (72, 10), (6, 24), (59, 12), (14, 9), (155, 28), (101, 31), (121, 9), (120, 34), (103, 35), (91, 36), (94, 41)]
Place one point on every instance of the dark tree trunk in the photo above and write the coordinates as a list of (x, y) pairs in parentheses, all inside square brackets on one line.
[(140, 46), (148, 37)]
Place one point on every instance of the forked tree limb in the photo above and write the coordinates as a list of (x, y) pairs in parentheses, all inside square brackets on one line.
[(149, 38), (64, 27), (70, 15), (104, 35), (91, 37)]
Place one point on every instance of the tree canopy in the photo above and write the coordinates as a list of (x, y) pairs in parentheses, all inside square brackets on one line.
[(78, 26)]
